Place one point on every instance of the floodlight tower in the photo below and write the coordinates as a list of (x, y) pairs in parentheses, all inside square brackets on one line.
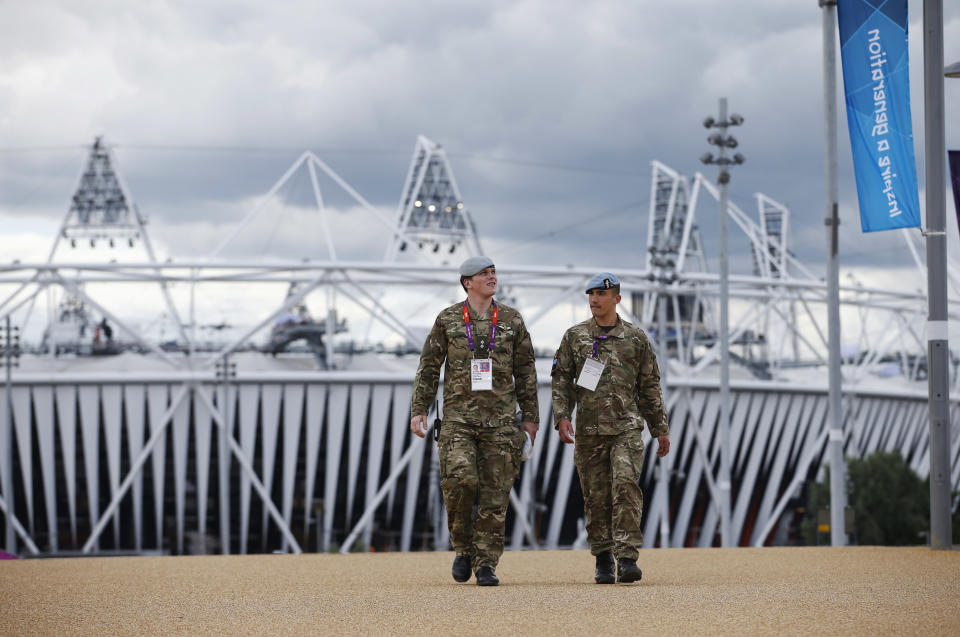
[(723, 141), (431, 214), (101, 209), (770, 255), (673, 246)]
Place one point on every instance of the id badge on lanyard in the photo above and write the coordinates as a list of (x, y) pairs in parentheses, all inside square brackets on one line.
[(592, 368), (481, 374), (481, 369)]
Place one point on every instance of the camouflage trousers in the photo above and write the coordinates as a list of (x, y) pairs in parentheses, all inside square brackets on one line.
[(610, 471), (478, 463)]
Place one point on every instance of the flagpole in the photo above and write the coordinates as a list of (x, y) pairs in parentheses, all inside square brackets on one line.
[(938, 376), (838, 468)]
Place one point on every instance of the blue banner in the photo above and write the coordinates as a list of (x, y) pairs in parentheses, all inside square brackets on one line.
[(876, 81)]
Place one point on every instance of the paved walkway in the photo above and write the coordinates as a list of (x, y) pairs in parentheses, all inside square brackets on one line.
[(845, 591)]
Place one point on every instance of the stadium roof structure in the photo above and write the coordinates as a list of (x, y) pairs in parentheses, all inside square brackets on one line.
[(339, 421)]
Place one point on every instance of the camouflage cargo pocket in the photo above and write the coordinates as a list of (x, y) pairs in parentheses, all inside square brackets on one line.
[(629, 464)]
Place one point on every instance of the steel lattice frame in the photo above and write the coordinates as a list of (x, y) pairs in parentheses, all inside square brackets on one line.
[(779, 426)]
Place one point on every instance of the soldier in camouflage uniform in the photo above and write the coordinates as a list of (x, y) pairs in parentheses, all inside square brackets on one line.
[(607, 369), (489, 368)]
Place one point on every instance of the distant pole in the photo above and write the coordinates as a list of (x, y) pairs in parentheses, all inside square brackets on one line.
[(838, 469), (938, 374), (723, 141)]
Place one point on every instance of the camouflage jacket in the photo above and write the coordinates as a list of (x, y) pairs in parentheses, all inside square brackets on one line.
[(514, 369), (629, 388)]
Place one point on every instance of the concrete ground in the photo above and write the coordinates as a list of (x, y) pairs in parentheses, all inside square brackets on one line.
[(836, 591)]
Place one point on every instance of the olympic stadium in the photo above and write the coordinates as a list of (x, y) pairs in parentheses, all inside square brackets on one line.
[(290, 435)]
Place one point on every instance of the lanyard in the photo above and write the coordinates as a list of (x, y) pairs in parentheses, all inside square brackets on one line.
[(493, 326), (602, 337)]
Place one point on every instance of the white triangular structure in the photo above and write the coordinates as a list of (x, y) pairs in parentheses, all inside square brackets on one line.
[(310, 162)]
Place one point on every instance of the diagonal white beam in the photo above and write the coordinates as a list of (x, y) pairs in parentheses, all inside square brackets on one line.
[(22, 532), (327, 235), (799, 476), (256, 209)]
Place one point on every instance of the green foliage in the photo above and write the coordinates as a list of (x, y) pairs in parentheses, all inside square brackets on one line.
[(891, 503)]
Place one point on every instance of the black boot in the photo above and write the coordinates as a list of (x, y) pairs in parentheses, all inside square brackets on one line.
[(628, 571), (486, 577), (461, 568), (606, 572)]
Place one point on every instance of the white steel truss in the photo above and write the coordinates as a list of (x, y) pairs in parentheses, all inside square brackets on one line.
[(307, 425)]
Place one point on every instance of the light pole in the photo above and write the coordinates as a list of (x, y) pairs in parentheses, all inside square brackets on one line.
[(723, 141)]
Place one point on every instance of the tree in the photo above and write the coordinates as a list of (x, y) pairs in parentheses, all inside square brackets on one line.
[(891, 503)]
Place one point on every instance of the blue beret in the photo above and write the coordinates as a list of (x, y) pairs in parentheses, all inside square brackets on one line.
[(603, 281), (474, 264)]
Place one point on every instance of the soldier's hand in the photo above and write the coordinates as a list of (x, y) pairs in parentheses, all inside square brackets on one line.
[(531, 428), (418, 425), (663, 445), (565, 427)]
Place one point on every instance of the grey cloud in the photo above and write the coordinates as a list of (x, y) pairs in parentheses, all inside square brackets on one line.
[(603, 86)]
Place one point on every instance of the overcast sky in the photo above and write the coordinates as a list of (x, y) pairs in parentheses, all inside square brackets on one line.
[(550, 110)]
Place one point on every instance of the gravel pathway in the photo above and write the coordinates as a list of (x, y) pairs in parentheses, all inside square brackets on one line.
[(849, 591)]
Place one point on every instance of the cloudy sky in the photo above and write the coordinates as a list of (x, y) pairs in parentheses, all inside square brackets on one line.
[(550, 110)]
